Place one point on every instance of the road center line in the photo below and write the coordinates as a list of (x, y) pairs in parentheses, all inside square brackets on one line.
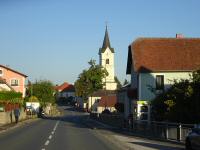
[(50, 136), (47, 142), (56, 126)]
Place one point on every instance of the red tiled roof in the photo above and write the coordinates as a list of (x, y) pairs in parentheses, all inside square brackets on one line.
[(64, 87), (108, 101), (164, 54), (13, 70), (70, 88)]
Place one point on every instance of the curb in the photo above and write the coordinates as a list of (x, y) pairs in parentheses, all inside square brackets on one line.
[(11, 126)]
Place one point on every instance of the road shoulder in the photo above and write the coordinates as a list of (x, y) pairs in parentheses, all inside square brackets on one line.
[(11, 126)]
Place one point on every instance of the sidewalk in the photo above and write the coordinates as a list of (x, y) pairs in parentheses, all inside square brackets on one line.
[(6, 127), (134, 141)]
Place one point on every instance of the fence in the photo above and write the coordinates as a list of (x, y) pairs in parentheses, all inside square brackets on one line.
[(162, 130)]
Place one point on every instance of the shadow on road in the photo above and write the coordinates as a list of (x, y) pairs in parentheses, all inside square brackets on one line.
[(156, 146), (73, 109), (74, 117)]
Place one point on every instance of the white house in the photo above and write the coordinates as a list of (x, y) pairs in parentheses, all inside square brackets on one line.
[(154, 64), (65, 90)]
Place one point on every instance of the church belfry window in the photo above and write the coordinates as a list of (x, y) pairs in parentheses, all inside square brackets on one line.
[(107, 61)]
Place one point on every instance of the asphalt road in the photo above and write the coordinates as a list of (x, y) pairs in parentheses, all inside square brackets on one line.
[(68, 132)]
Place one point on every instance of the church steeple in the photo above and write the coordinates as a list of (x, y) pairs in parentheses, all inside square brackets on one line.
[(106, 60), (106, 43)]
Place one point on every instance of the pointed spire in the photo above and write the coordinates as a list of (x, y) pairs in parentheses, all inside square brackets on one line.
[(106, 41)]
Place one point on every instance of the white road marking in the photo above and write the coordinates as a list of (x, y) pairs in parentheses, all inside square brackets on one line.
[(43, 149), (47, 142), (50, 136), (54, 129)]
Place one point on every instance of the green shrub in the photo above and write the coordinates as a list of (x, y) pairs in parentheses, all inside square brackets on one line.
[(8, 95)]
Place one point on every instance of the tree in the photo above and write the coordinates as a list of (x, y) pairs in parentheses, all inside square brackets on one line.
[(119, 85), (181, 103), (90, 80), (44, 91)]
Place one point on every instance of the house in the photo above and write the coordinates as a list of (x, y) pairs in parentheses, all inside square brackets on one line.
[(124, 96), (12, 79), (65, 90), (80, 103), (154, 64), (4, 86), (107, 102), (94, 99)]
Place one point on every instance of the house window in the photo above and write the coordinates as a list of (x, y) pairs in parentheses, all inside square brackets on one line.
[(107, 61), (160, 82), (14, 82), (1, 72)]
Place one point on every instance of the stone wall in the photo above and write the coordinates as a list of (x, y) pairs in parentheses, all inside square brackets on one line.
[(8, 117)]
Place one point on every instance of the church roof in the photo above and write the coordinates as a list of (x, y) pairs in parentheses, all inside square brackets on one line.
[(106, 43)]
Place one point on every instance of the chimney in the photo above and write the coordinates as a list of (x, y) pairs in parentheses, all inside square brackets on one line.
[(179, 36)]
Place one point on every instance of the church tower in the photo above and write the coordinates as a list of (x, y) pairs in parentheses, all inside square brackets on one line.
[(106, 60)]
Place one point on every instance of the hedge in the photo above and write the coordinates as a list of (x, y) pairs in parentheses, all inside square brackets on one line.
[(8, 95)]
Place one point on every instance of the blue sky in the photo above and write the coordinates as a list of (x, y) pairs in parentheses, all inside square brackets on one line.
[(54, 39)]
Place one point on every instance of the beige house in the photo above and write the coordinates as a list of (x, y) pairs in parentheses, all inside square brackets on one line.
[(93, 100), (107, 102)]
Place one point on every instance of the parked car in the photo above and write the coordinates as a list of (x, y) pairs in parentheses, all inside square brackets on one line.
[(193, 139), (30, 110)]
